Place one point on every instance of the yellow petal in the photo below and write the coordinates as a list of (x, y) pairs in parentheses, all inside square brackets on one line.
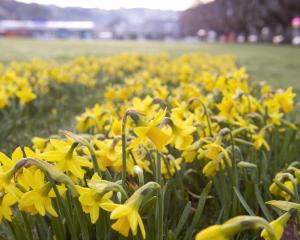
[(120, 211), (40, 207), (9, 200), (94, 213), (50, 209), (121, 226), (109, 206), (17, 154), (6, 161), (141, 224), (158, 137), (133, 221), (141, 131)]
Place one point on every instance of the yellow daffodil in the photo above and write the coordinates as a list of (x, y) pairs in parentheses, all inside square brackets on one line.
[(275, 190), (214, 232), (108, 153), (3, 99), (142, 105), (127, 214), (26, 95), (38, 200), (182, 133), (66, 159), (39, 143), (6, 201), (172, 166), (92, 199), (152, 132), (212, 150), (285, 99), (226, 107), (8, 163), (233, 226), (7, 172), (278, 226), (260, 141)]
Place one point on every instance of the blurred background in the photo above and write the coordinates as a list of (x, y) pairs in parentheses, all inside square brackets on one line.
[(273, 21)]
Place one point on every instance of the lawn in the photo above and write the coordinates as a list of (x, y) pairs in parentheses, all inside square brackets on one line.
[(279, 65)]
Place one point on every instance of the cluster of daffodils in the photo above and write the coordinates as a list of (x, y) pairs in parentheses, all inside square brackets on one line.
[(176, 145), (23, 82)]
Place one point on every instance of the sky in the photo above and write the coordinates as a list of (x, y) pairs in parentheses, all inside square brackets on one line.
[(116, 4)]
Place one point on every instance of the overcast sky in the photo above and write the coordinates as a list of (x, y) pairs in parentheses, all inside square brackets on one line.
[(115, 4)]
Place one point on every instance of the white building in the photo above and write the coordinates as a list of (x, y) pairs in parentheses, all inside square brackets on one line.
[(60, 29)]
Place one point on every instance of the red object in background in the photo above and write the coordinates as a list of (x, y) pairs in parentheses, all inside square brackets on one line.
[(230, 37), (13, 34)]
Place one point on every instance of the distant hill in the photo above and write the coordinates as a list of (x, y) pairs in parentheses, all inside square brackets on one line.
[(103, 19)]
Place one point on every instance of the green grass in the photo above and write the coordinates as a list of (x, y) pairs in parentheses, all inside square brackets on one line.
[(279, 65)]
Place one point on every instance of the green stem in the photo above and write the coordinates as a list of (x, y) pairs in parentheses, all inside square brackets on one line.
[(94, 160), (82, 221), (63, 208), (27, 226), (235, 174), (160, 199), (124, 149)]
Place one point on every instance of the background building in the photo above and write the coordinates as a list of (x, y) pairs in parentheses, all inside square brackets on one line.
[(47, 29)]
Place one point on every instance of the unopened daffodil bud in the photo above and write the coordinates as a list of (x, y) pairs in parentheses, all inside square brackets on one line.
[(234, 226)]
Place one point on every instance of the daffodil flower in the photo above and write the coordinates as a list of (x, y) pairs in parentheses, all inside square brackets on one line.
[(182, 133), (152, 132), (8, 163), (215, 232), (26, 95), (278, 226), (39, 143), (108, 153), (92, 200), (127, 214), (213, 149), (275, 190), (7, 183), (66, 159), (93, 197), (233, 226), (6, 201), (38, 199), (259, 141), (285, 99)]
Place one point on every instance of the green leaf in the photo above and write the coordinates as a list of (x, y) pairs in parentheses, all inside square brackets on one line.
[(199, 211), (243, 202), (261, 203), (184, 217)]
